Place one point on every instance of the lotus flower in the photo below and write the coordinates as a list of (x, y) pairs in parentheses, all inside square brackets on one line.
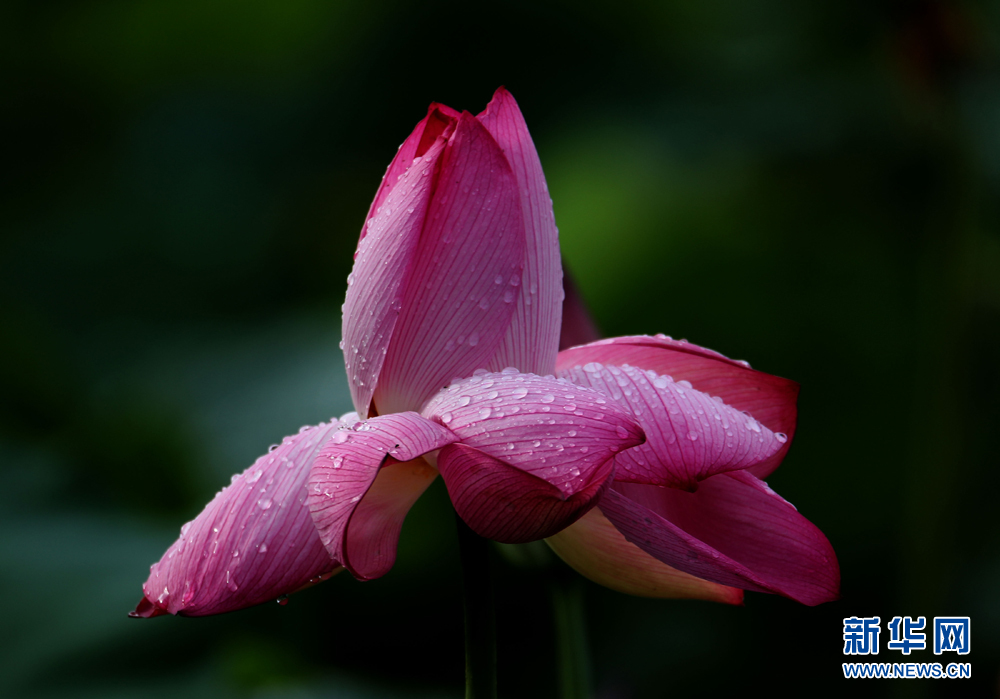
[(638, 477)]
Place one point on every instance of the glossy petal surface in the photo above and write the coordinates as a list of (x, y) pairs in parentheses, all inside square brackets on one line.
[(594, 548), (769, 399), (532, 339), (460, 297), (254, 542), (357, 509), (734, 530), (689, 435), (561, 433), (382, 267)]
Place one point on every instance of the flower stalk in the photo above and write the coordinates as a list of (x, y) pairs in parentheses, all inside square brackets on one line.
[(572, 652), (480, 619)]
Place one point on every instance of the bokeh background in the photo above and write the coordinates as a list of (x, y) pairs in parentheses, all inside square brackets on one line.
[(812, 186)]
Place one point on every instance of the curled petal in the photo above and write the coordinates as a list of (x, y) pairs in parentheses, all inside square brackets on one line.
[(359, 490), (460, 297), (689, 436), (595, 549), (532, 339), (382, 266), (561, 433), (770, 399), (501, 502), (734, 531), (254, 542)]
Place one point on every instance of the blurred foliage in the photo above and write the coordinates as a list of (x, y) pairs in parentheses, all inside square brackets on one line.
[(811, 186)]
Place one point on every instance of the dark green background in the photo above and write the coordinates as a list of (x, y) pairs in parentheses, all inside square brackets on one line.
[(812, 186)]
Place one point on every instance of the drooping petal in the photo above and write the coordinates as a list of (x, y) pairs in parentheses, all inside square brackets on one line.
[(499, 501), (770, 399), (361, 487), (532, 339), (561, 433), (460, 297), (254, 542), (578, 327), (595, 549), (382, 267), (734, 530), (689, 436), (426, 132)]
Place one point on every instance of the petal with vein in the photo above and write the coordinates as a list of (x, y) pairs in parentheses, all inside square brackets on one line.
[(383, 265), (532, 339), (359, 491), (689, 436), (501, 502), (564, 434), (426, 132), (254, 542), (770, 399), (596, 550), (459, 299), (734, 531)]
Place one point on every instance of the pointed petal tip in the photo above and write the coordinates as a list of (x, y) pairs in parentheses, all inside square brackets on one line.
[(146, 610)]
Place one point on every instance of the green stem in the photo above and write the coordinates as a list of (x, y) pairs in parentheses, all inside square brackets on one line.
[(480, 621), (571, 636)]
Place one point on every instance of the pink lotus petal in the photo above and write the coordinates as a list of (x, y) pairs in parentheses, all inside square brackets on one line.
[(254, 542), (578, 327), (373, 532), (595, 549), (362, 535), (460, 297), (564, 434), (689, 436), (734, 530), (532, 340), (501, 502), (770, 399), (438, 118), (382, 267)]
